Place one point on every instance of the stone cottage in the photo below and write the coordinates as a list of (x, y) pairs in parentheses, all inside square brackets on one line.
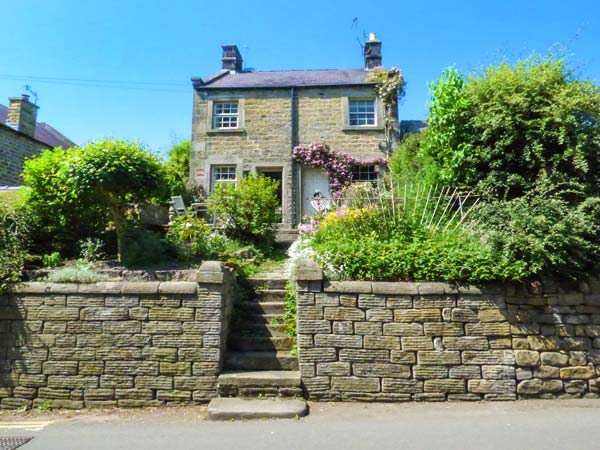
[(21, 137), (247, 121)]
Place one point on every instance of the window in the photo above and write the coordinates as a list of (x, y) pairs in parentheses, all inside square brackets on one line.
[(225, 115), (361, 112), (364, 173), (222, 175)]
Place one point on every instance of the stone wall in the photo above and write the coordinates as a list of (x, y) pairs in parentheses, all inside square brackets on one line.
[(15, 147), (111, 344), (384, 341)]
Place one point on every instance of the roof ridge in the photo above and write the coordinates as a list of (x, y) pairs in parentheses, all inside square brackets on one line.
[(298, 70)]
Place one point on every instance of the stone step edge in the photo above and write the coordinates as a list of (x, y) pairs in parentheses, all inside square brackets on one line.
[(248, 409), (278, 378)]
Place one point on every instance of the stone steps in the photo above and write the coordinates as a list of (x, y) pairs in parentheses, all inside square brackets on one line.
[(259, 363), (237, 408), (257, 343), (270, 295), (269, 383), (265, 281), (261, 360), (261, 329), (263, 308)]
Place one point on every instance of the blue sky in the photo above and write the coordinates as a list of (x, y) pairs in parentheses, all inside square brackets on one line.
[(155, 41)]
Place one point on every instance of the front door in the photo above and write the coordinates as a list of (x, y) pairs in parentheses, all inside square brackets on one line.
[(315, 183), (277, 175)]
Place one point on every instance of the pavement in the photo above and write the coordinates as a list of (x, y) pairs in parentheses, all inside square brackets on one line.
[(548, 425)]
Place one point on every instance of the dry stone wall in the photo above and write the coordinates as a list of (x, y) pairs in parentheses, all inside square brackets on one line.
[(383, 341), (124, 344)]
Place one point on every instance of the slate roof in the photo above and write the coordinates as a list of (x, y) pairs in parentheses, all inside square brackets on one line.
[(43, 132), (283, 79), (412, 126)]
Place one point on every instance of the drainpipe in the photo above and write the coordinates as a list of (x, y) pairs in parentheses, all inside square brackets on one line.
[(296, 185)]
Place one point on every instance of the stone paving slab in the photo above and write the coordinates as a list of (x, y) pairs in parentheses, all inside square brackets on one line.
[(235, 408)]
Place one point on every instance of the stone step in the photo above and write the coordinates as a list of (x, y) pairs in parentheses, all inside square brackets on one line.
[(267, 383), (268, 281), (261, 360), (237, 408), (263, 319), (261, 329), (270, 295), (263, 307), (252, 343)]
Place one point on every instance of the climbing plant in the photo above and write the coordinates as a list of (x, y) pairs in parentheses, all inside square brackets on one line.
[(338, 165), (389, 87)]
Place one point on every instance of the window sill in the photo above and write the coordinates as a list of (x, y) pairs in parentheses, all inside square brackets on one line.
[(226, 131), (362, 128)]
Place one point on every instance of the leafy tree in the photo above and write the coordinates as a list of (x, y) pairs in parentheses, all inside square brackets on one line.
[(178, 169), (506, 130), (53, 198), (106, 176), (113, 174), (248, 211)]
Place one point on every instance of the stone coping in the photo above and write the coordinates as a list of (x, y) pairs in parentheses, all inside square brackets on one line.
[(309, 275), (210, 272), (106, 287)]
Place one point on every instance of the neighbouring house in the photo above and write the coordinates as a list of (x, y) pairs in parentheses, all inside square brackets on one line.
[(21, 137), (247, 121)]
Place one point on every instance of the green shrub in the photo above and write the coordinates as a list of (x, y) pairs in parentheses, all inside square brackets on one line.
[(99, 181), (249, 211), (51, 195), (81, 272), (91, 250), (543, 229), (177, 170), (193, 238), (15, 229), (511, 127), (369, 244), (144, 247), (52, 260)]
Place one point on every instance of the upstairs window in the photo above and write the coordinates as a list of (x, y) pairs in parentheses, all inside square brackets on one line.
[(364, 174), (225, 115), (362, 113), (222, 175)]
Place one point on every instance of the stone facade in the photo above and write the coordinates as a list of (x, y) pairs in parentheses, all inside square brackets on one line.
[(124, 344), (267, 133), (279, 111), (15, 147), (383, 341)]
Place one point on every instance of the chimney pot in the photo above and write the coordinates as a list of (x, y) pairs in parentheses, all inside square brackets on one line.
[(372, 53)]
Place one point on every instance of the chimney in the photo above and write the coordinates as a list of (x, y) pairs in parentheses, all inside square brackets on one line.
[(232, 58), (372, 52), (22, 115)]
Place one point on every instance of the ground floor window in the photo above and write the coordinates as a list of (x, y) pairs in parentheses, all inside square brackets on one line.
[(222, 174), (364, 173)]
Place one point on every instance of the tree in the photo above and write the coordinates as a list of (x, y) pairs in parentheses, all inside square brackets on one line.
[(115, 174), (106, 176), (178, 169), (506, 130)]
